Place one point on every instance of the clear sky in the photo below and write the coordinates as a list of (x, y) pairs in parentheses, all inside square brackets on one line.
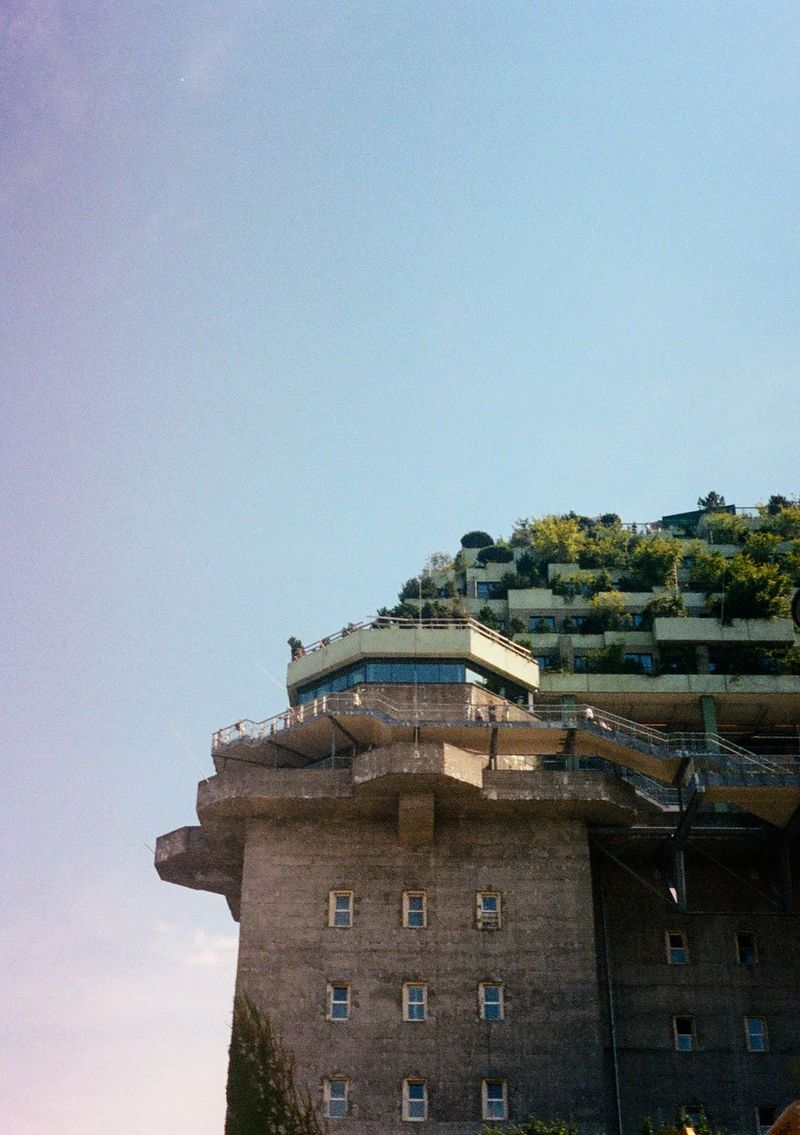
[(294, 294)]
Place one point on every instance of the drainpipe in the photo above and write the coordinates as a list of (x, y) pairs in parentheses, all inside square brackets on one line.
[(611, 1016)]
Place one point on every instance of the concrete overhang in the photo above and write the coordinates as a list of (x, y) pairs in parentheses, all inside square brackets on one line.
[(457, 781), (746, 700), (759, 631), (458, 641), (405, 766), (190, 857)]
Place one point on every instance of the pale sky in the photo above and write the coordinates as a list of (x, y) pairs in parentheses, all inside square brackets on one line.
[(294, 294)]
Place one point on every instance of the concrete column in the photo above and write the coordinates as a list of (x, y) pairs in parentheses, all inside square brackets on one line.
[(709, 710), (569, 709)]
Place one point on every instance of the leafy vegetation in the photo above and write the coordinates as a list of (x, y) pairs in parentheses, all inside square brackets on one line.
[(751, 591), (654, 562), (725, 528), (612, 559), (610, 611), (711, 502), (534, 1127), (476, 539), (261, 1092), (496, 554)]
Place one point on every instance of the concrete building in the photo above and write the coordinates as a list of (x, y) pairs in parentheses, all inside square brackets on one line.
[(477, 882)]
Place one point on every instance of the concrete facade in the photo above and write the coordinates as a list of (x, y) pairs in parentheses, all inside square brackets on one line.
[(542, 955), (582, 852)]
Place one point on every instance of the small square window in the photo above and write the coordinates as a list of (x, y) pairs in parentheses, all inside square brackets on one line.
[(746, 951), (491, 1001), (335, 1094), (415, 1001), (415, 1100), (755, 1031), (765, 1117), (415, 910), (677, 949), (683, 1032), (340, 909), (494, 1099), (338, 1002), (488, 910)]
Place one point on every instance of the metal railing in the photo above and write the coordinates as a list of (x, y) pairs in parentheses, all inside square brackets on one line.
[(709, 748), (383, 622)]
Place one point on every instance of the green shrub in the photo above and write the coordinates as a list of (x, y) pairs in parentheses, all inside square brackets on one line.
[(762, 547), (417, 588), (662, 607), (706, 572), (495, 554), (476, 539), (487, 616), (785, 523), (609, 609), (751, 591), (607, 547), (654, 561), (534, 1127), (725, 528)]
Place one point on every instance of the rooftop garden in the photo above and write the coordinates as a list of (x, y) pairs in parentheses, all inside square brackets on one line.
[(738, 564)]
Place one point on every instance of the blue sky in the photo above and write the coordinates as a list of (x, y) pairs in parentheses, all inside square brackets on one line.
[(292, 296)]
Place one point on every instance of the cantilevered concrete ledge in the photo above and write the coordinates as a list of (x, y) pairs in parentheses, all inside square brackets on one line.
[(457, 782), (425, 763), (190, 858)]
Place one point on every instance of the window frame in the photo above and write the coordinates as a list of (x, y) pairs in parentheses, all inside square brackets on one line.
[(328, 1099), (676, 1034), (408, 1081), (334, 911), (488, 920), (332, 1002), (407, 912), (486, 1111), (668, 934), (500, 1003), (408, 1004), (751, 1036), (738, 936), (761, 1128)]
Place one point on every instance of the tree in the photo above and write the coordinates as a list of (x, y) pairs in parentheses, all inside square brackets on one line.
[(654, 561), (725, 528), (438, 561), (476, 539), (751, 590), (776, 504), (261, 1093), (607, 546), (609, 608), (712, 502), (418, 588), (557, 539)]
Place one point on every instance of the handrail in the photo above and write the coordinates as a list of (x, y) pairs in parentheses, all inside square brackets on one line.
[(598, 722), (383, 622)]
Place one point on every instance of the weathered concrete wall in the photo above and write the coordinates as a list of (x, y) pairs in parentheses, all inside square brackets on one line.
[(712, 987), (548, 1047)]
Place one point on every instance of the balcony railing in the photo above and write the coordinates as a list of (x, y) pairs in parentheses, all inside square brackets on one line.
[(713, 749), (383, 622)]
